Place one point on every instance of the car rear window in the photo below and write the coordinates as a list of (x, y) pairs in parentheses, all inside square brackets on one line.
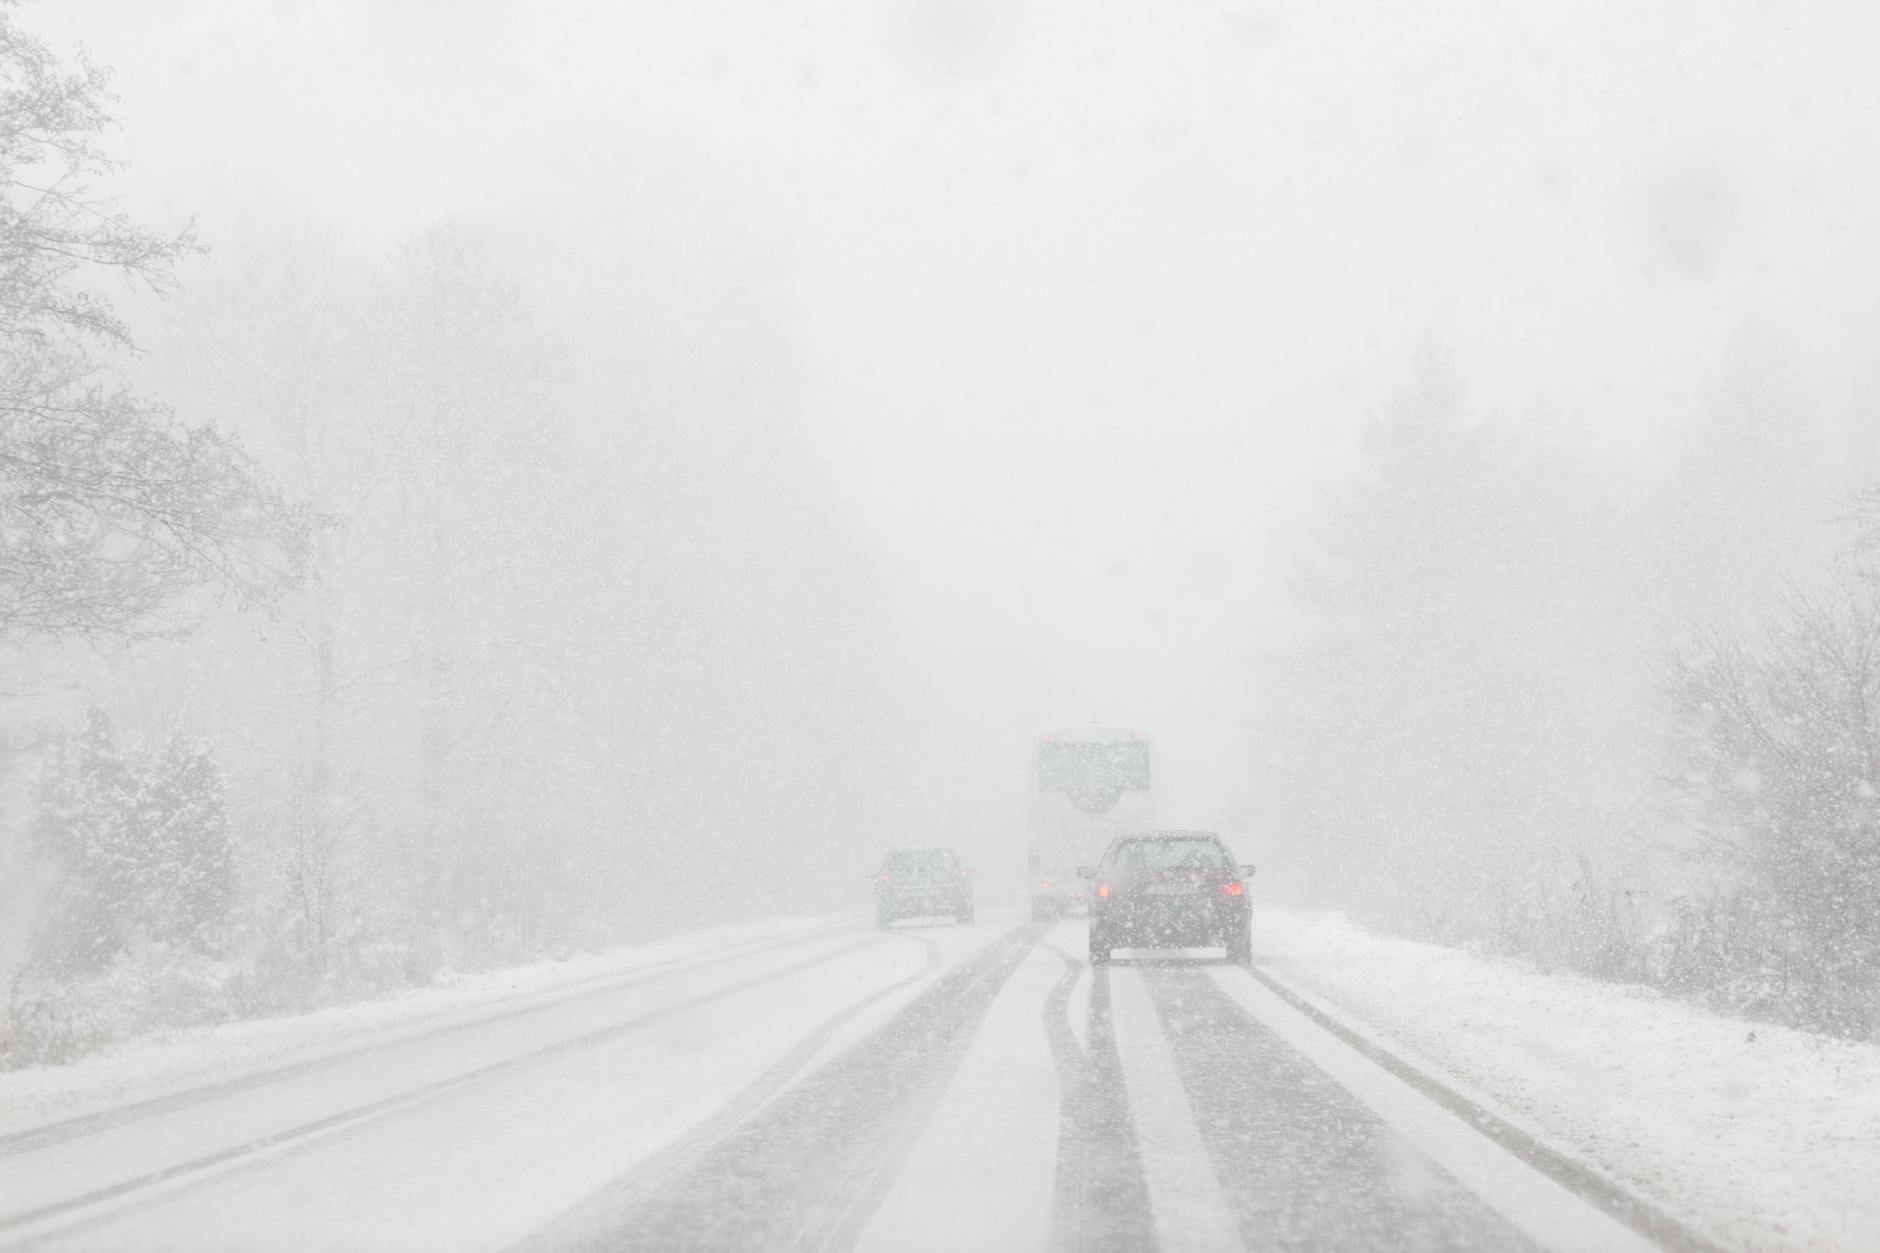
[(908, 859), (1196, 852)]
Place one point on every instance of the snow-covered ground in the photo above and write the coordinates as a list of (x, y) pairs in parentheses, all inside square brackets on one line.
[(1760, 1136), (163, 1064), (464, 1121), (818, 1082)]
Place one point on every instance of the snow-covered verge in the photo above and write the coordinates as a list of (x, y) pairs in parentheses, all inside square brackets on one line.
[(161, 1064), (1762, 1137)]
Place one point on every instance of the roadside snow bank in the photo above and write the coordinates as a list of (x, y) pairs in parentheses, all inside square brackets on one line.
[(1763, 1137), (175, 1061)]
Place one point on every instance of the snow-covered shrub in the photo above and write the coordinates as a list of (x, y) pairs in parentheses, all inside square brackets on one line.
[(145, 987), (1578, 921), (1729, 950), (1779, 733), (139, 846)]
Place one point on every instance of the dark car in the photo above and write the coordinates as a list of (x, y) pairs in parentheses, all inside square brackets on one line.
[(1169, 889), (920, 882)]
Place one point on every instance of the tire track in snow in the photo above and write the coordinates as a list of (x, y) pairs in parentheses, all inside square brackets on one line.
[(1648, 1219), (1100, 1200), (1304, 1163), (809, 1169), (110, 1201), (603, 1212)]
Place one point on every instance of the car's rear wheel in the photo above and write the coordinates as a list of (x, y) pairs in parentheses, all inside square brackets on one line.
[(964, 917), (882, 920), (1099, 947), (1042, 909), (1240, 947)]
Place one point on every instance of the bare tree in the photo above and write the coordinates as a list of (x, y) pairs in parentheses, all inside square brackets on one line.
[(110, 509)]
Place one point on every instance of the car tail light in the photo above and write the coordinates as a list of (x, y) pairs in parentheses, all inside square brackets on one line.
[(1044, 885), (1103, 891), (886, 877), (1233, 889)]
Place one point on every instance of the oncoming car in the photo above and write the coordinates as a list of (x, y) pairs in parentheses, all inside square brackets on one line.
[(920, 882), (1169, 889)]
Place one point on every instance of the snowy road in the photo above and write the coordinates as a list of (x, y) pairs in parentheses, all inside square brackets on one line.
[(838, 1087)]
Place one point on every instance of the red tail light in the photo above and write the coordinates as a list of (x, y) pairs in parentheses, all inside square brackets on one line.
[(1233, 889), (1103, 891), (1046, 884), (886, 877)]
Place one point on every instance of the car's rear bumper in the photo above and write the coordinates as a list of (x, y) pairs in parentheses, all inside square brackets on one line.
[(1069, 890), (915, 902), (1168, 924)]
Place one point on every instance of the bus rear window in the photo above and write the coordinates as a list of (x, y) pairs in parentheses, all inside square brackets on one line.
[(1078, 768)]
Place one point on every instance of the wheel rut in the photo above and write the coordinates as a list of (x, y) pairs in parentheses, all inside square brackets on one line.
[(808, 1169), (1303, 1163), (1100, 1199)]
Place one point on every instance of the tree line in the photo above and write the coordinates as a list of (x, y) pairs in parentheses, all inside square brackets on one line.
[(1614, 718), (456, 644)]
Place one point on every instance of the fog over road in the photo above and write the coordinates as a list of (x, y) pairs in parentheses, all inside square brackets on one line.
[(838, 1087)]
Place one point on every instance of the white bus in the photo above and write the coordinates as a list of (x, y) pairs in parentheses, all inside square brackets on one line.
[(1090, 784)]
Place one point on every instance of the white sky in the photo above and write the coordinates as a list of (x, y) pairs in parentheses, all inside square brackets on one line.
[(1090, 295)]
